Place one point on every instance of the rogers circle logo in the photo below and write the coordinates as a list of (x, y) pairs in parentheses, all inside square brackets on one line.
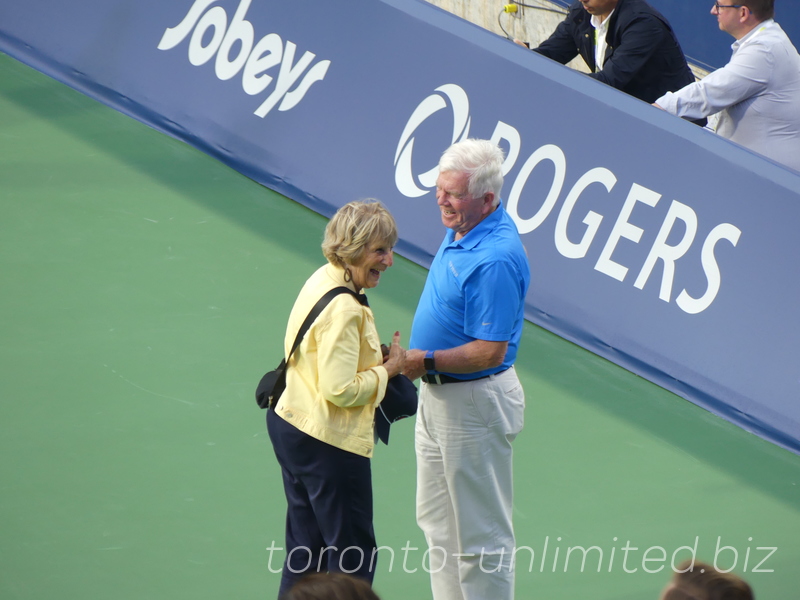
[(403, 174)]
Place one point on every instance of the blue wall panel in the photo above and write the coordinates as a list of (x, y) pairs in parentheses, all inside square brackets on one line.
[(652, 242)]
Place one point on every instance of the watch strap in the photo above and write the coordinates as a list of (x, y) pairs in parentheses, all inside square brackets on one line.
[(428, 362)]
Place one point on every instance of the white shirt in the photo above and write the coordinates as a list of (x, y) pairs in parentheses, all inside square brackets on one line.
[(757, 95), (600, 43)]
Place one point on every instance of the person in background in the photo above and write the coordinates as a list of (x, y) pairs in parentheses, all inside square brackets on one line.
[(465, 336), (330, 586), (322, 426), (626, 44), (699, 581), (757, 94)]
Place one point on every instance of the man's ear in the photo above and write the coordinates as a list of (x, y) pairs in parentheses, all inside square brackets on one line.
[(745, 14), (488, 200)]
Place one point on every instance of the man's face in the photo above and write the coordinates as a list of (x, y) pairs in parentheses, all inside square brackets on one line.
[(460, 211), (728, 16), (601, 8)]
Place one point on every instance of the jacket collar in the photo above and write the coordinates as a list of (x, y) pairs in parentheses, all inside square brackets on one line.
[(336, 274)]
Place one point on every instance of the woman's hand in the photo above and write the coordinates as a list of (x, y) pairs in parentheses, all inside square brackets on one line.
[(395, 361)]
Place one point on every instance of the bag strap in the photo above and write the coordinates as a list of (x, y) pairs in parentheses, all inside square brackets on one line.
[(275, 389), (318, 308)]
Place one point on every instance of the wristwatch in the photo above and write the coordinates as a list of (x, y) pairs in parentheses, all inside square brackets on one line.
[(428, 362)]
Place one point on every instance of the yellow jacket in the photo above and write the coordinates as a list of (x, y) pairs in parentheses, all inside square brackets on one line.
[(335, 378)]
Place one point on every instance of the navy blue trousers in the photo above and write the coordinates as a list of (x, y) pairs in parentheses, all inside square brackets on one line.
[(329, 497)]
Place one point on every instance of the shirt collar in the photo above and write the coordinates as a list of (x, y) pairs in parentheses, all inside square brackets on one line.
[(595, 21), (752, 33), (336, 273), (477, 233)]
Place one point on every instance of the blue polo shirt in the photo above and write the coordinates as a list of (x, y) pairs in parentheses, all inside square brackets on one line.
[(475, 291)]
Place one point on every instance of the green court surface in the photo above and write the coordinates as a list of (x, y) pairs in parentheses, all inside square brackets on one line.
[(145, 288)]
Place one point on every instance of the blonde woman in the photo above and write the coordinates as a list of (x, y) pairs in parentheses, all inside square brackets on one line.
[(322, 426)]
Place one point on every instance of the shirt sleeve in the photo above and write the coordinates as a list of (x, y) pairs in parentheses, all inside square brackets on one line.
[(744, 76), (339, 354), (638, 43), (493, 301), (560, 46)]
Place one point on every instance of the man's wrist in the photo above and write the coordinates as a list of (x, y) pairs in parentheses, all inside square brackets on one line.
[(429, 362)]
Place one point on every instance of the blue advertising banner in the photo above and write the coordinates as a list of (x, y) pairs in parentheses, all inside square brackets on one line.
[(652, 242)]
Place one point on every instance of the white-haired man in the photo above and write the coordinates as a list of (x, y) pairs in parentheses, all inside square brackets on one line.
[(465, 336)]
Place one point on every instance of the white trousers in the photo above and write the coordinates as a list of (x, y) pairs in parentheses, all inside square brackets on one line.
[(463, 437)]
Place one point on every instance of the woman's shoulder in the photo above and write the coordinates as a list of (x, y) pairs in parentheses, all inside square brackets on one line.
[(325, 279)]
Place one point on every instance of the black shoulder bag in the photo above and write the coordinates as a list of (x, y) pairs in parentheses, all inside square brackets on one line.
[(272, 384)]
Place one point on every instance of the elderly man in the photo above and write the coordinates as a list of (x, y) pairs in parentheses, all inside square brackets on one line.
[(465, 335), (627, 44), (757, 94)]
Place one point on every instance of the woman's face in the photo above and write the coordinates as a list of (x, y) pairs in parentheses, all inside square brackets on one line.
[(375, 260)]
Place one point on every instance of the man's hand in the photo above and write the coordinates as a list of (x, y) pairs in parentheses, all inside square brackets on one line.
[(414, 368)]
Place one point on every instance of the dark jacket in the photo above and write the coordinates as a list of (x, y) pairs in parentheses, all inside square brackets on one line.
[(643, 59)]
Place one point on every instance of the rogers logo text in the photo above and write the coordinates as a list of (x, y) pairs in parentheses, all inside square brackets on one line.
[(254, 59), (680, 220)]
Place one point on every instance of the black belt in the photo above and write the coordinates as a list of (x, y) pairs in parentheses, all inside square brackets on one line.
[(441, 379)]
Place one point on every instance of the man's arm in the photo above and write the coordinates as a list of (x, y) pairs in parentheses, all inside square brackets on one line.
[(471, 357), (745, 75), (560, 46), (638, 42)]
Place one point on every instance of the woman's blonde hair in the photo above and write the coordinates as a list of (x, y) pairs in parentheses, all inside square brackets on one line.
[(354, 227)]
